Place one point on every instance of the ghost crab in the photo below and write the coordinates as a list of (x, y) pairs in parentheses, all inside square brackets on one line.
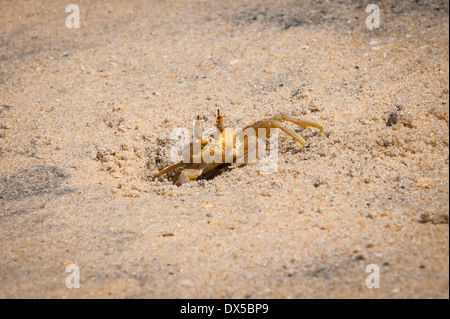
[(195, 164)]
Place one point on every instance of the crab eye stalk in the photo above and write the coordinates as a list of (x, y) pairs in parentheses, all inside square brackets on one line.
[(220, 124), (198, 129)]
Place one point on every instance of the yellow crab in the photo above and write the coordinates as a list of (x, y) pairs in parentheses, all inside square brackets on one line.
[(225, 146)]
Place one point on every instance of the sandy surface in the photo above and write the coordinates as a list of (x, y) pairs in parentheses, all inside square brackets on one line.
[(87, 122)]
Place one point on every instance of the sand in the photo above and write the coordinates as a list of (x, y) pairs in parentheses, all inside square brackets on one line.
[(87, 115)]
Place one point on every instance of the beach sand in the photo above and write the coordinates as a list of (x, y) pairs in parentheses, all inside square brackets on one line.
[(87, 117)]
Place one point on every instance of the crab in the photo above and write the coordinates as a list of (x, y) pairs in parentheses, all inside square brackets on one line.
[(196, 163)]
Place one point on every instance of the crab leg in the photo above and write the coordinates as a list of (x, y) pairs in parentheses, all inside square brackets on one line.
[(281, 118), (190, 174), (302, 123), (187, 175), (169, 169), (243, 160), (268, 124)]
